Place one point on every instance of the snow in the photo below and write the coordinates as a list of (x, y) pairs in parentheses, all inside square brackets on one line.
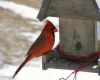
[(30, 36), (25, 11), (54, 20), (38, 24), (35, 72), (22, 10), (98, 3)]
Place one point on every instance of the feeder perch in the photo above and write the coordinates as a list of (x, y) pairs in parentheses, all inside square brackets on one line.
[(78, 24)]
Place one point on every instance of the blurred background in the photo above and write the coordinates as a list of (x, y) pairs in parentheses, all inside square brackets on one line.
[(19, 27)]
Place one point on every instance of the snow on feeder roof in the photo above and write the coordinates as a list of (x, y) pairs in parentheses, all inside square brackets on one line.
[(79, 9)]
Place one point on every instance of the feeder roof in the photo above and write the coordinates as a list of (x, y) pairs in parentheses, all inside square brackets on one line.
[(79, 9)]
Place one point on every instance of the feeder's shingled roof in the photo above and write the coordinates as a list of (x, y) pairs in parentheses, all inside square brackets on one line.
[(80, 9)]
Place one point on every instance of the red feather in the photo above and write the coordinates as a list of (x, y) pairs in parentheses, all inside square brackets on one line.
[(42, 45)]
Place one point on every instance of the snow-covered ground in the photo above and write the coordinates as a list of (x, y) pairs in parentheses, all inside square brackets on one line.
[(22, 10), (35, 72)]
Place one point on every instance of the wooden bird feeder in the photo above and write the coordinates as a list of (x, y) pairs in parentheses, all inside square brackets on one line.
[(78, 24)]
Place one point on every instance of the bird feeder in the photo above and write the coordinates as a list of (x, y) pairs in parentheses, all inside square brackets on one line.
[(77, 29)]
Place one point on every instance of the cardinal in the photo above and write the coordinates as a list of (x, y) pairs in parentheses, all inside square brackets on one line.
[(41, 46)]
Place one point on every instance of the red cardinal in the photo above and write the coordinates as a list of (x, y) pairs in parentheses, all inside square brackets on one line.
[(42, 45)]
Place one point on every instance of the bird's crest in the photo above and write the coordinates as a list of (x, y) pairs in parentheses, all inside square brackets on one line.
[(49, 25)]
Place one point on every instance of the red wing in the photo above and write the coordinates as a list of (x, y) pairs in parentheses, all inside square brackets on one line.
[(39, 45)]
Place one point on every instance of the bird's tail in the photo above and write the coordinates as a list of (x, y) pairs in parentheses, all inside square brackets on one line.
[(21, 66)]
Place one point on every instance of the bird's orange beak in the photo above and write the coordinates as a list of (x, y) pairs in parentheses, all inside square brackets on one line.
[(55, 30)]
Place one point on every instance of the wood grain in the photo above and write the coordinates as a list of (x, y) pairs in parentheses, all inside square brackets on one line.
[(79, 9), (77, 37)]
